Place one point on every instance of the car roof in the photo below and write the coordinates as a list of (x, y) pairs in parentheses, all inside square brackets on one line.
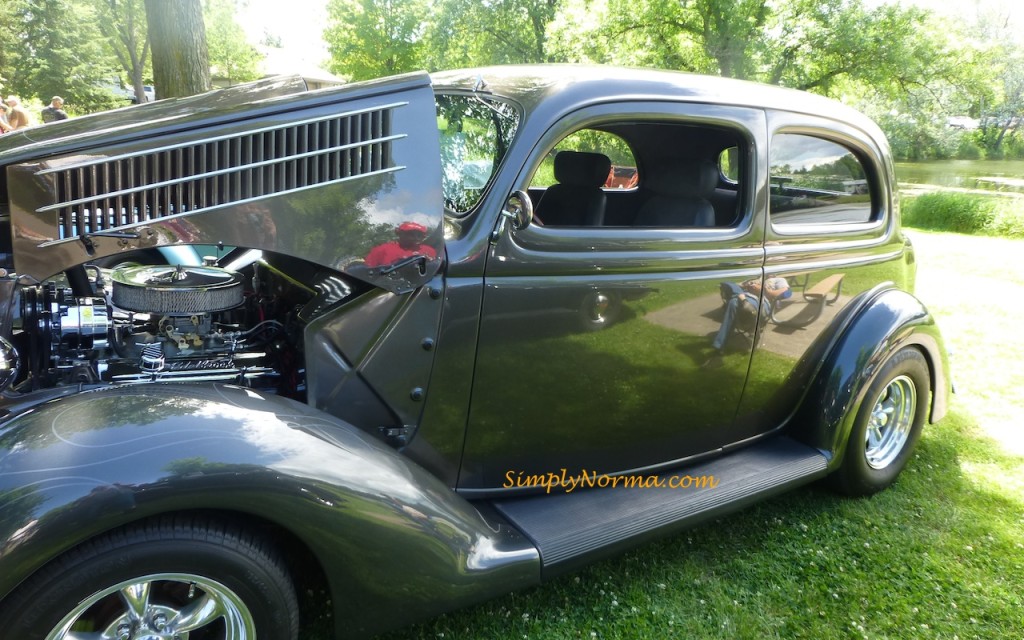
[(565, 86)]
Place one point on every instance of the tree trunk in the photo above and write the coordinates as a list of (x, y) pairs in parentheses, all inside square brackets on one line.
[(177, 39)]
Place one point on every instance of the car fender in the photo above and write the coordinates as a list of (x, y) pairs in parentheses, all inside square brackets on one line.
[(395, 543), (887, 320)]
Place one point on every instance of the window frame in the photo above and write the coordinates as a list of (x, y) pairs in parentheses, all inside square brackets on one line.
[(498, 168)]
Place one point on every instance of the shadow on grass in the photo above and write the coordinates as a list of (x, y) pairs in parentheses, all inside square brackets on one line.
[(940, 554)]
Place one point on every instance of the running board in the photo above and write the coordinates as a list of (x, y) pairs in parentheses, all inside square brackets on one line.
[(569, 528)]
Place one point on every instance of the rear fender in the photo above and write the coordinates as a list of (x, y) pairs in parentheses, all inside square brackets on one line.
[(887, 321), (395, 543)]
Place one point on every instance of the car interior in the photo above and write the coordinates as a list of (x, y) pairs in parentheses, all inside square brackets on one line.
[(641, 174)]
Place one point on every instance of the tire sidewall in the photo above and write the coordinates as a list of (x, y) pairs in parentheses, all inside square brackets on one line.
[(52, 594), (855, 475)]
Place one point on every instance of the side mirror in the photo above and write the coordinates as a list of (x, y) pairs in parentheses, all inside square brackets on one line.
[(518, 209)]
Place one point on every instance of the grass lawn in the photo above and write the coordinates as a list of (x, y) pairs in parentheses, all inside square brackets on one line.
[(939, 555)]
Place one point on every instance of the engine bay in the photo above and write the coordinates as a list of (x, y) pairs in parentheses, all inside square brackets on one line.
[(151, 317)]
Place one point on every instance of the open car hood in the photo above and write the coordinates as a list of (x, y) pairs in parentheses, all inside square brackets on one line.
[(330, 176)]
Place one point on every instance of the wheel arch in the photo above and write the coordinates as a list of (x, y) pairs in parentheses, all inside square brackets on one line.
[(365, 514), (886, 321)]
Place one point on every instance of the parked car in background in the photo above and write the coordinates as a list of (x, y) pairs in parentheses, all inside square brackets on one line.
[(419, 341), (963, 122), (127, 93)]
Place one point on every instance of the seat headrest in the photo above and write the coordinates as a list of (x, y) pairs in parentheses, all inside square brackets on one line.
[(582, 169), (696, 179)]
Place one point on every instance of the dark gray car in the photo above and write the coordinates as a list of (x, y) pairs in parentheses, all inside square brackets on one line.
[(424, 340)]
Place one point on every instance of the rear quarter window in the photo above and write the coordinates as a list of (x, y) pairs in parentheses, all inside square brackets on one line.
[(814, 181)]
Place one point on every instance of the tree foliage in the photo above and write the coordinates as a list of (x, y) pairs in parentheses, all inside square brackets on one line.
[(50, 50), (470, 32), (123, 24), (232, 58), (374, 38)]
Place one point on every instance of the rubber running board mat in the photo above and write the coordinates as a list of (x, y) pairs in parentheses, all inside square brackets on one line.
[(571, 525)]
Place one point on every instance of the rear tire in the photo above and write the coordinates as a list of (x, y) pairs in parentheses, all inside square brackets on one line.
[(192, 576), (888, 425)]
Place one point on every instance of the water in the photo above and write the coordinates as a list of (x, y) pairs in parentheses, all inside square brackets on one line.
[(984, 175)]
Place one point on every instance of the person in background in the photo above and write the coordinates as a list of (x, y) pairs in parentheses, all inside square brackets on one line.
[(17, 117), (410, 242), (4, 125), (55, 111)]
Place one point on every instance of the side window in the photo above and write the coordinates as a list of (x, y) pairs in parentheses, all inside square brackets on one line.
[(815, 181), (475, 134), (641, 174)]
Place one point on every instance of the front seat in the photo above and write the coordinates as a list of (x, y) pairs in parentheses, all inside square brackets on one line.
[(578, 199), (680, 196)]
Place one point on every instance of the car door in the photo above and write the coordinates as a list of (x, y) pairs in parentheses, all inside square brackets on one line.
[(832, 234), (595, 348)]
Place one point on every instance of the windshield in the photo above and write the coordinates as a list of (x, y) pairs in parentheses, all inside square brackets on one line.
[(475, 134)]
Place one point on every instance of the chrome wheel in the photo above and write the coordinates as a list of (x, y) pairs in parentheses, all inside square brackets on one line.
[(164, 606), (600, 304), (890, 423), (599, 310)]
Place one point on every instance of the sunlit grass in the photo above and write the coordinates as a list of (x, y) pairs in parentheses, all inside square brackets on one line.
[(938, 555)]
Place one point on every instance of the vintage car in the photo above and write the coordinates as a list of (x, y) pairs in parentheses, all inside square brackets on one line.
[(412, 343)]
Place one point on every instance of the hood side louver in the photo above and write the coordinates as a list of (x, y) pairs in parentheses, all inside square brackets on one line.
[(123, 190)]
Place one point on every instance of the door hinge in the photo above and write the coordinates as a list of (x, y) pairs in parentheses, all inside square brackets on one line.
[(396, 436)]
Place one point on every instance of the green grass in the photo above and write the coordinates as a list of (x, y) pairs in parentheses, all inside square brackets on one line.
[(966, 213), (938, 555)]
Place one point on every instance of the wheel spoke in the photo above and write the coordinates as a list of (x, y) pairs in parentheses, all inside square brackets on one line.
[(197, 614), (136, 598)]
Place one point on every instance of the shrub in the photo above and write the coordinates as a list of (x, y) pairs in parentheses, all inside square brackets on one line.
[(969, 149), (950, 211), (1009, 221)]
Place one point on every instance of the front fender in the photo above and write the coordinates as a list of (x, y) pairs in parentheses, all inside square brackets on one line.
[(395, 543), (887, 321)]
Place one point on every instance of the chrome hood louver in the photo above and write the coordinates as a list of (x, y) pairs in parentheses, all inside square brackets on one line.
[(95, 195)]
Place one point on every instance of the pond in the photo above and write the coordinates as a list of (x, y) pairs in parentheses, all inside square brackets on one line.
[(986, 175)]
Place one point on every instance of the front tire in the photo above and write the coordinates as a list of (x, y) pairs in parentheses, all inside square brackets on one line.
[(888, 425), (174, 578)]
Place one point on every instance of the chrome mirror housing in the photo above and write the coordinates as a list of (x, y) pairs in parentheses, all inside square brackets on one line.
[(519, 209), (10, 363)]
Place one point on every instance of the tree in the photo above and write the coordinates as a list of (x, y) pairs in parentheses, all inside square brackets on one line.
[(232, 58), (471, 33), (375, 38), (123, 23), (815, 45), (177, 37), (50, 50)]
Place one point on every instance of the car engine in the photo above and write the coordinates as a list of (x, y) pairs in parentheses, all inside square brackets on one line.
[(145, 323)]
